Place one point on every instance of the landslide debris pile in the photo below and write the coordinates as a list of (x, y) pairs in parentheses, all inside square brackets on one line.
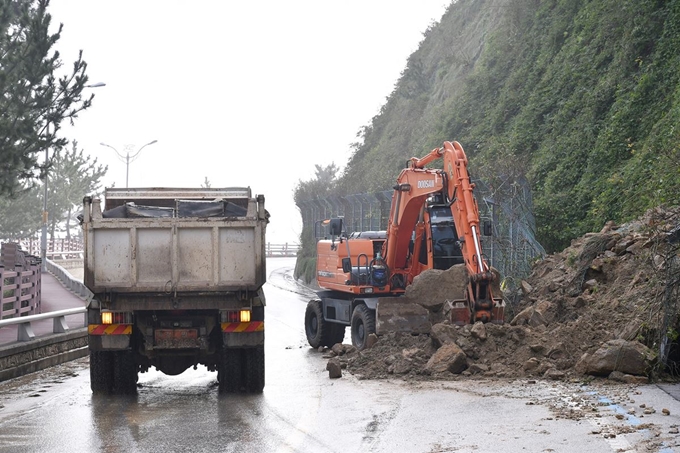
[(601, 307)]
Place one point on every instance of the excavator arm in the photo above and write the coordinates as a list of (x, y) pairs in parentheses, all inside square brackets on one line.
[(414, 185), (463, 204)]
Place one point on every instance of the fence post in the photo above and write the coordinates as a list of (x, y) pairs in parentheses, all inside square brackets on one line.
[(18, 269), (35, 290)]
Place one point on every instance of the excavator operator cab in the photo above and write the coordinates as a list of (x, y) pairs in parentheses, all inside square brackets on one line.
[(446, 250)]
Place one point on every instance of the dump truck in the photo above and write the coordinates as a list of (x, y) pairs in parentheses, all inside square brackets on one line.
[(176, 276), (433, 224)]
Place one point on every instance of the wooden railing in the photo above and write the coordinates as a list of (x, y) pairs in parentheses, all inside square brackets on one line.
[(59, 248), (20, 279)]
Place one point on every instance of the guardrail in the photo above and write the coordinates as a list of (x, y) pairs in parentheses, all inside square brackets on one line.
[(25, 331), (281, 250), (30, 353), (75, 286)]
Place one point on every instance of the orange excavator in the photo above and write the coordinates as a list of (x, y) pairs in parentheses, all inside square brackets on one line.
[(433, 224)]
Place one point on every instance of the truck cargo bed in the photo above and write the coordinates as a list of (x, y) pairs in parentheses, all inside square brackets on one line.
[(161, 252)]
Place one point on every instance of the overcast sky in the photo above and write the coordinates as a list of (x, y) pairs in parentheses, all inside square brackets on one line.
[(245, 93)]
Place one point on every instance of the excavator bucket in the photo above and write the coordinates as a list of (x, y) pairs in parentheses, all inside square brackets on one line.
[(433, 296), (400, 314)]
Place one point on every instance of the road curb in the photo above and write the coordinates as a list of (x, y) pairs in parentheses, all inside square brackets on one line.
[(31, 356)]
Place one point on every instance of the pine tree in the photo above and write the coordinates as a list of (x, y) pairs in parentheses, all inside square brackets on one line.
[(34, 98), (72, 177)]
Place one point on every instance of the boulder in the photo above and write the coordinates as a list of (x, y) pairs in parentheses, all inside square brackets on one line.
[(531, 364), (528, 316), (433, 287), (449, 357), (628, 357), (442, 334), (478, 331), (334, 369)]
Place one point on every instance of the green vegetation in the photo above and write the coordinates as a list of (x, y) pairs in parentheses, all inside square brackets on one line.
[(37, 94), (581, 97), (322, 185), (72, 176)]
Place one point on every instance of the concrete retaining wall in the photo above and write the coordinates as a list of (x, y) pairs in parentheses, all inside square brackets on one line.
[(20, 359)]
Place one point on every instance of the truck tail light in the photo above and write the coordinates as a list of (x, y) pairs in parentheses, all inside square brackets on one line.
[(116, 317), (237, 316)]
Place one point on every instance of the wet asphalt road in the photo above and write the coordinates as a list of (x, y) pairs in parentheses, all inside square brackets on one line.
[(302, 410)]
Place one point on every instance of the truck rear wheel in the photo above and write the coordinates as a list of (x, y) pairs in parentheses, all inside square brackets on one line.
[(230, 370), (319, 331), (124, 373), (255, 369), (363, 324), (101, 372)]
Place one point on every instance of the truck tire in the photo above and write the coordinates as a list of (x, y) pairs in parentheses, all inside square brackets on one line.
[(101, 372), (230, 370), (255, 369), (124, 373), (319, 331), (363, 324)]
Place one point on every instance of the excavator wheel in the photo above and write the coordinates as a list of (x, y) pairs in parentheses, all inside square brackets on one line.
[(363, 324), (319, 331)]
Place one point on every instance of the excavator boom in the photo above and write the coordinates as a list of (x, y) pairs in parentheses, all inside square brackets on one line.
[(452, 183)]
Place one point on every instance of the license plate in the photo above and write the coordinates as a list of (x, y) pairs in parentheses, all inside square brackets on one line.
[(175, 334)]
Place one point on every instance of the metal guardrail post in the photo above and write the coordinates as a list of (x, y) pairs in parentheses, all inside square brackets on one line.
[(25, 332), (23, 323), (59, 325)]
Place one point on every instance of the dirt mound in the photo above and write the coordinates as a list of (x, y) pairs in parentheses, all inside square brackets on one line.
[(605, 306)]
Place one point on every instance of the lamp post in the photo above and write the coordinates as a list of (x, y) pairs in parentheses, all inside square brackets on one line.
[(43, 233), (127, 158)]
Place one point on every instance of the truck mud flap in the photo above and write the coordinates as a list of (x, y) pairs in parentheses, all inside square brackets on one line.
[(243, 334), (109, 336)]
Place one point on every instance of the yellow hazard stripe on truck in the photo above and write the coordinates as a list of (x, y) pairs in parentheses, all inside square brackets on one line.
[(238, 327), (110, 329)]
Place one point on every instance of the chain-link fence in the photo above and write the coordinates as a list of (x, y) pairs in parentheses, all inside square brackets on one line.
[(511, 249), (669, 352)]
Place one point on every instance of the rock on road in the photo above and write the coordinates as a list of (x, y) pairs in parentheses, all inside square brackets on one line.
[(302, 410)]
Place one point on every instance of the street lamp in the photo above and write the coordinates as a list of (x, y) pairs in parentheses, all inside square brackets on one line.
[(43, 235), (127, 158)]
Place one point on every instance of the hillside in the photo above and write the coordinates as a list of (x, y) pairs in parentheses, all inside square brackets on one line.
[(581, 97)]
